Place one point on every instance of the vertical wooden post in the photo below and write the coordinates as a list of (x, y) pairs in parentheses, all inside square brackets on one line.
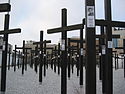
[(124, 55), (81, 57), (45, 58), (4, 55), (115, 61), (23, 57), (52, 59), (36, 58), (15, 60), (59, 58), (69, 56), (26, 60), (64, 54), (41, 57), (77, 62), (18, 62), (109, 71), (55, 59), (103, 60), (72, 59), (90, 48), (100, 58)]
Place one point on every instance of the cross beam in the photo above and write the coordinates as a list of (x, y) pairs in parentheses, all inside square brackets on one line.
[(79, 41), (104, 36), (46, 41), (98, 22), (10, 31), (5, 7)]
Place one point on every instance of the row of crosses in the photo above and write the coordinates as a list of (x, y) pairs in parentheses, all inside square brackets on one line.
[(89, 22)]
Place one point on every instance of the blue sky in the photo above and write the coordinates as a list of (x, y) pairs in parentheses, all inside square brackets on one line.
[(32, 16)]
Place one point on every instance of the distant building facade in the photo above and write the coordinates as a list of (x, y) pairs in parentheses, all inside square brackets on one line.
[(118, 42)]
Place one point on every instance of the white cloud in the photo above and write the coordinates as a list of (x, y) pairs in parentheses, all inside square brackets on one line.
[(34, 16)]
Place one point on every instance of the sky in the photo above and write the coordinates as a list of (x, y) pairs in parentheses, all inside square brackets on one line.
[(32, 16)]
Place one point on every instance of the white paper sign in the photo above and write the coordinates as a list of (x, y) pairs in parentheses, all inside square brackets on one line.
[(63, 45), (44, 55), (40, 52), (3, 48), (77, 55), (110, 44), (90, 16), (68, 54), (99, 54)]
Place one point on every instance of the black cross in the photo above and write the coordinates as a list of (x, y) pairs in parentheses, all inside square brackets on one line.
[(5, 48), (81, 41), (41, 54), (23, 54), (64, 53)]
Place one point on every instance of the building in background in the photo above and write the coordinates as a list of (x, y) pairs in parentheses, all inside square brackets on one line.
[(118, 42)]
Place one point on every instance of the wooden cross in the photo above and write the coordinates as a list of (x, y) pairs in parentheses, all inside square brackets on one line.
[(63, 48), (41, 56), (23, 48), (78, 52), (5, 48)]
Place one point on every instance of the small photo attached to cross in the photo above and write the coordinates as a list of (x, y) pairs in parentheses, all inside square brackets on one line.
[(90, 11)]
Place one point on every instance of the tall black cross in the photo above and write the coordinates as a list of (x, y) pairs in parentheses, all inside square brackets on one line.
[(64, 53), (41, 54), (90, 47), (23, 54), (81, 41), (5, 32)]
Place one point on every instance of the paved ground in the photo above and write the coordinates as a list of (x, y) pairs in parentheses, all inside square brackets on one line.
[(28, 83)]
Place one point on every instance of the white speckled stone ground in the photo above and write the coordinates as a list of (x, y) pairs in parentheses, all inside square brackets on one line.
[(29, 84)]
